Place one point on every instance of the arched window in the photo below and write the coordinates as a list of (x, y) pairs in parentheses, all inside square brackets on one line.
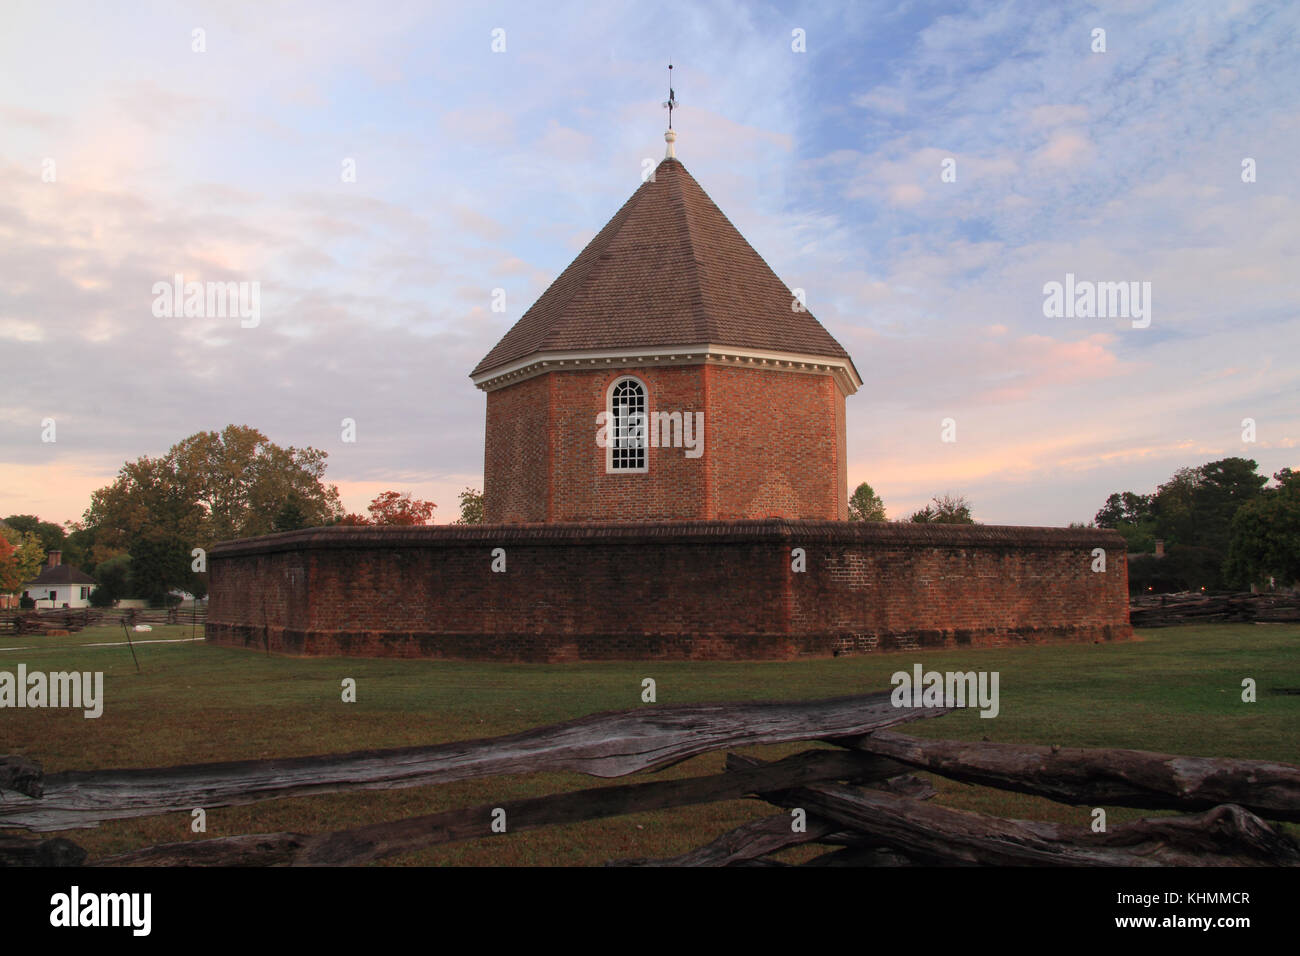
[(626, 423)]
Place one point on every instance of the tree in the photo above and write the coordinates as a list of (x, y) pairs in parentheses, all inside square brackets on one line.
[(114, 577), (865, 505), (352, 519), (1224, 486), (471, 507), (209, 487), (243, 481), (1131, 515), (51, 535), (1174, 507), (400, 509), (11, 579), (149, 513), (291, 516), (78, 545), (944, 509), (29, 552), (1124, 508), (1265, 535), (1193, 513), (159, 563)]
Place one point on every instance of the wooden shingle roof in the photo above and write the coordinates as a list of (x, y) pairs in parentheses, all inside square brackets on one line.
[(60, 574), (668, 270)]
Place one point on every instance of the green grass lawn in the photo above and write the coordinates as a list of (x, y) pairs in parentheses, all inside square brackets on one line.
[(1175, 690)]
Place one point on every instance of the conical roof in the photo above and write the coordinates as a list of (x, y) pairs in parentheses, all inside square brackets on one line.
[(668, 270)]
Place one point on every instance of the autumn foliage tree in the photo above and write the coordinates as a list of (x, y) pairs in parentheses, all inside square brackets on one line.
[(353, 519), (28, 552), (400, 509), (10, 578), (391, 508), (210, 487)]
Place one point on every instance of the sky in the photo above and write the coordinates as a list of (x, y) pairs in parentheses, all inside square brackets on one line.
[(922, 170)]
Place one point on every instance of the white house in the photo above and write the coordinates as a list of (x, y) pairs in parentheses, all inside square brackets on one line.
[(60, 585)]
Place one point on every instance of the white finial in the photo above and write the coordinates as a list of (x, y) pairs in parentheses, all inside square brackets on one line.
[(670, 138)]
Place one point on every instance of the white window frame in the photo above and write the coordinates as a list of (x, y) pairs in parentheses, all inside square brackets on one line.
[(611, 421)]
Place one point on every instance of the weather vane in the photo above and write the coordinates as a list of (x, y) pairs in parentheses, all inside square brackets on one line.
[(671, 102)]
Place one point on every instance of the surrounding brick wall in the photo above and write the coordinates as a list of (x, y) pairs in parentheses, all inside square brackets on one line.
[(774, 447), (666, 590)]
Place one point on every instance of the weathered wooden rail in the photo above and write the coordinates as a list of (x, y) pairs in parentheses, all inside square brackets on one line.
[(602, 745), (860, 800), (1168, 610), (38, 621)]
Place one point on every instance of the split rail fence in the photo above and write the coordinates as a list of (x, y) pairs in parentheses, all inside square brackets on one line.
[(74, 619), (860, 799), (1167, 610)]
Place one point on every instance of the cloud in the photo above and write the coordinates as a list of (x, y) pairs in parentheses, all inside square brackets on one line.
[(20, 331), (480, 171), (1063, 149), (881, 100), (479, 126)]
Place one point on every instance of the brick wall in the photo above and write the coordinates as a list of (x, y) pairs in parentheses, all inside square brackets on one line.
[(779, 446), (516, 475), (673, 485), (774, 446), (669, 590)]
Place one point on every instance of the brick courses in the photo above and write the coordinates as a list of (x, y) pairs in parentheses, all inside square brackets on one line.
[(773, 447), (663, 590)]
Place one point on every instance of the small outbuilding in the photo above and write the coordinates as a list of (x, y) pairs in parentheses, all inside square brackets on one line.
[(60, 585)]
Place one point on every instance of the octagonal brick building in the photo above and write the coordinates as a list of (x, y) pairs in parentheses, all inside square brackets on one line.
[(659, 541), (666, 374)]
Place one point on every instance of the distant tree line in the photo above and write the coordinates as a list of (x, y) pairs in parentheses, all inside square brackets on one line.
[(1222, 524), (137, 538), (865, 505)]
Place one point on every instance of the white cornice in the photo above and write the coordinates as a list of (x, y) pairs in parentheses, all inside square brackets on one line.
[(539, 363)]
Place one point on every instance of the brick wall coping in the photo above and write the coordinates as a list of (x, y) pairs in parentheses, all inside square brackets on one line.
[(900, 534)]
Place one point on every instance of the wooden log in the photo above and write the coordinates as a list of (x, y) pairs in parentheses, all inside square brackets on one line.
[(21, 851), (377, 841), (1224, 836), (22, 774), (750, 841), (602, 745), (1174, 609), (907, 785), (1084, 776)]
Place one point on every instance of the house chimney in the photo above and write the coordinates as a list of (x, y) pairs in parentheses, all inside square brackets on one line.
[(56, 558), (1160, 547)]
